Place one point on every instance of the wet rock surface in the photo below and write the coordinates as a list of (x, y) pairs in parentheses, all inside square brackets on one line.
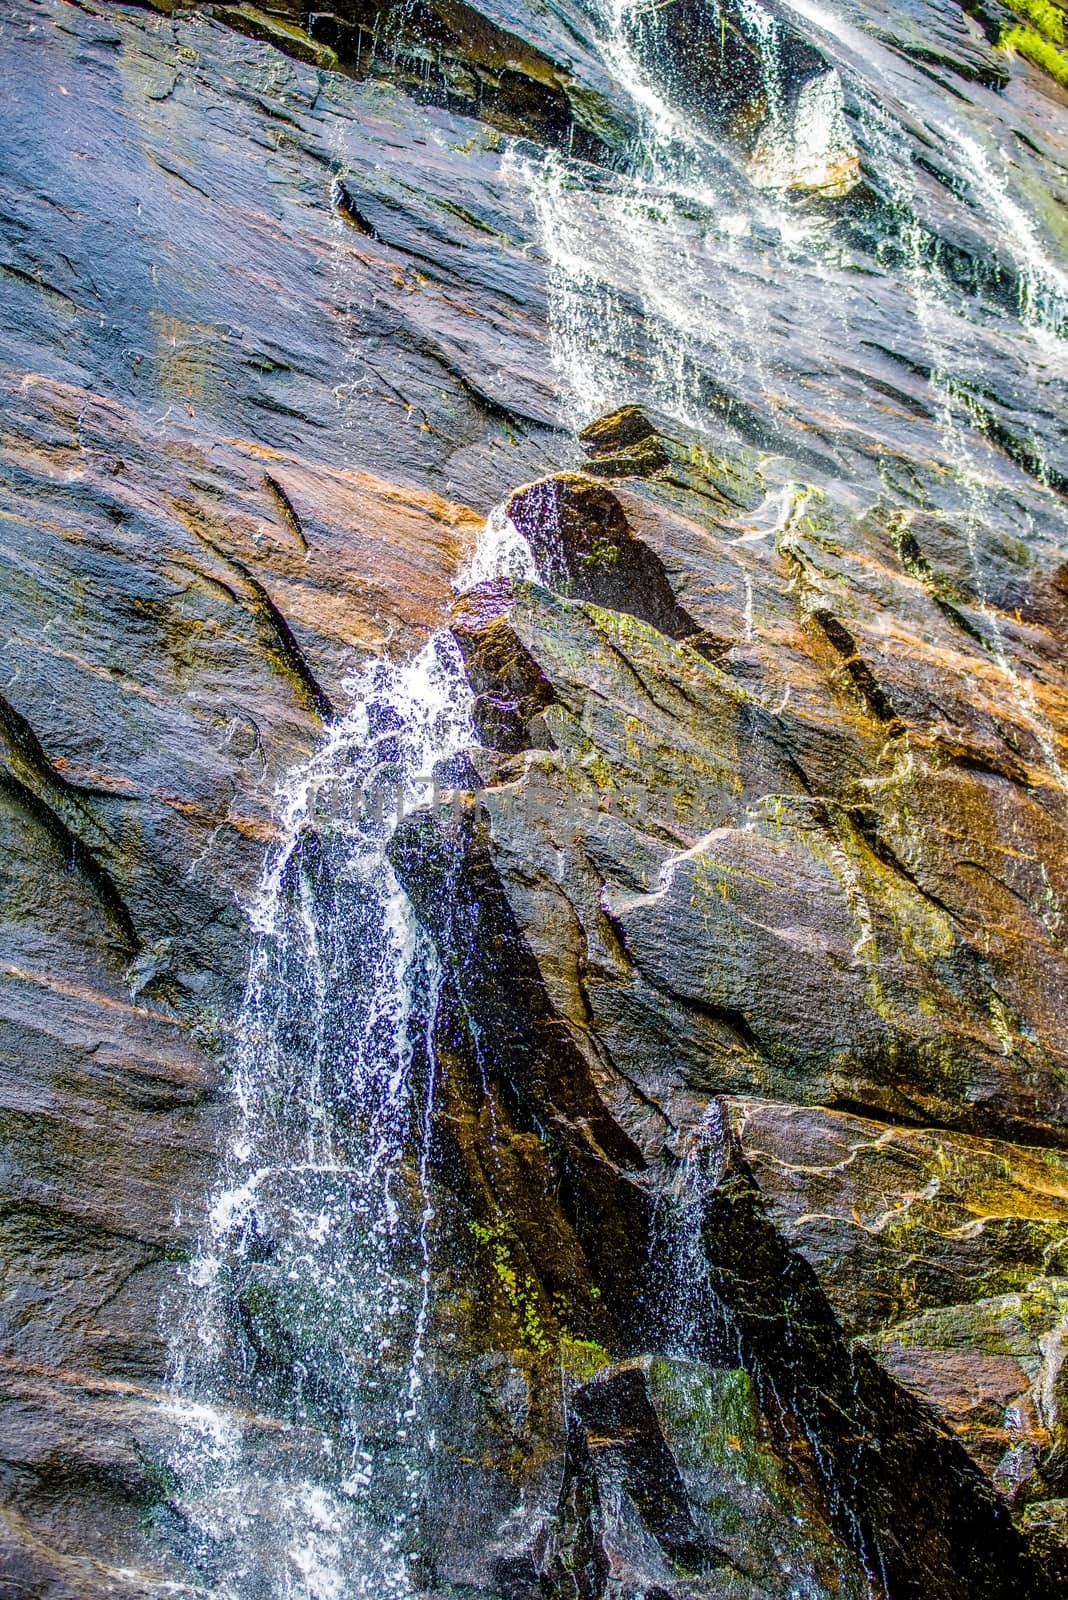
[(750, 1128), (768, 904)]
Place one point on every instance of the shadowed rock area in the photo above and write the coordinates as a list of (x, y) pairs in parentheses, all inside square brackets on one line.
[(737, 1165)]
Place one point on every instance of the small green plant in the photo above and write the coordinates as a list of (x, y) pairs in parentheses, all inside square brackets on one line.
[(521, 1292), (602, 553), (158, 1484), (582, 1359), (1028, 42), (1049, 20), (1040, 36)]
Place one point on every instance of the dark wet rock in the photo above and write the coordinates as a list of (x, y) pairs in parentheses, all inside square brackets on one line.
[(728, 861), (979, 1219), (888, 1464), (685, 867), (719, 75), (701, 1502), (944, 36), (992, 1367), (675, 464), (486, 60), (624, 444), (1044, 1525), (286, 35), (584, 547), (511, 691)]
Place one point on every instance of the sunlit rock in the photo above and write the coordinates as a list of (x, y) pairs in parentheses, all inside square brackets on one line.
[(809, 146)]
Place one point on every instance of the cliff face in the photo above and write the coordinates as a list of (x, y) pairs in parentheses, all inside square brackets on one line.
[(746, 1126)]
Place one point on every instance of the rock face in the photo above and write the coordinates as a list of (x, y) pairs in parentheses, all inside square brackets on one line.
[(749, 1135), (724, 914)]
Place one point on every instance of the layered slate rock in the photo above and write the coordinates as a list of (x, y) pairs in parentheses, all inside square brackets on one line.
[(584, 547), (677, 1473), (758, 878)]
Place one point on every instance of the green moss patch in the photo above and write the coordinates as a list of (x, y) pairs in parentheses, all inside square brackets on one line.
[(1040, 36)]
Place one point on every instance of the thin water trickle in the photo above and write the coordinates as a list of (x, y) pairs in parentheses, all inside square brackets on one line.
[(669, 284), (953, 369), (681, 280), (689, 1314)]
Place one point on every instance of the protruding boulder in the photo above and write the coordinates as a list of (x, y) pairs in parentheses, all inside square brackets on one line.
[(673, 1482), (511, 691), (633, 442), (624, 444), (584, 547)]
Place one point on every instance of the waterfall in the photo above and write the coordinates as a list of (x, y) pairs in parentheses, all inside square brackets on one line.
[(702, 260), (690, 1317), (708, 278), (688, 280), (298, 1329)]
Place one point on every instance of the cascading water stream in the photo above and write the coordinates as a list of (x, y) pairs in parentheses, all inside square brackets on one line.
[(670, 285), (298, 1351), (299, 1356), (678, 281), (690, 1316), (654, 277), (880, 83)]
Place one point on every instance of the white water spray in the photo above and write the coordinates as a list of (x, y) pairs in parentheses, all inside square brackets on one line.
[(298, 1333)]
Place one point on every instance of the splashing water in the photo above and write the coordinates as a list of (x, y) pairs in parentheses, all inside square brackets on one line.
[(501, 552), (298, 1328)]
